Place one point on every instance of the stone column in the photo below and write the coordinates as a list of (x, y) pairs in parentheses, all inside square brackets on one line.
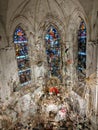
[(97, 81), (96, 101), (69, 66)]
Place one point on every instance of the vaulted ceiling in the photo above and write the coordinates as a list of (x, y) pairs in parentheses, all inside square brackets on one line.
[(3, 10), (87, 5)]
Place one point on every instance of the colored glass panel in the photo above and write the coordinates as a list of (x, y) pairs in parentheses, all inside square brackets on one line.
[(21, 48), (53, 51), (82, 48)]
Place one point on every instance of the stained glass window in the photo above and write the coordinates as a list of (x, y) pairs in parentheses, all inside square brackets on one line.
[(53, 51), (21, 48), (82, 49)]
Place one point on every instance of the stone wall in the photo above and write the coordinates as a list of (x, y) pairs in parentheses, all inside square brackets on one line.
[(35, 17), (8, 72)]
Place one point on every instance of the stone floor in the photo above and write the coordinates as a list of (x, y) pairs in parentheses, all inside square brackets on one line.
[(51, 125), (54, 113), (56, 110)]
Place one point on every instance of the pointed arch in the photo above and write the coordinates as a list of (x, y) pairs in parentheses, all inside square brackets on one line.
[(53, 51), (82, 39), (21, 50)]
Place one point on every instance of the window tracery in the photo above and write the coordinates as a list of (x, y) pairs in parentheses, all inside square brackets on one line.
[(22, 56), (82, 50), (53, 51)]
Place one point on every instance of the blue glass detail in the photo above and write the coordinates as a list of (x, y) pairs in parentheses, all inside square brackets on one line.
[(53, 51), (23, 62), (82, 46), (82, 53)]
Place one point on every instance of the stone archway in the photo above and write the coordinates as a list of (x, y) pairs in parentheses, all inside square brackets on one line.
[(45, 24), (73, 27)]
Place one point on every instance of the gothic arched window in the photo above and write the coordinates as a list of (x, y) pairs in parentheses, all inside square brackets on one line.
[(53, 51), (21, 48), (82, 51)]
